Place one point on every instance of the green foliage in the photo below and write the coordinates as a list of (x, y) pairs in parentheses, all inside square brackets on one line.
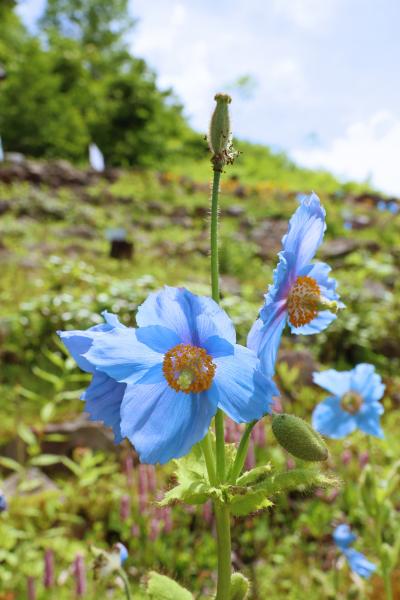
[(160, 587)]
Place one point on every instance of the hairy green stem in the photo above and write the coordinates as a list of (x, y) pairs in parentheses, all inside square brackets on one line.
[(206, 446), (241, 453), (214, 237), (386, 573), (222, 517), (124, 578)]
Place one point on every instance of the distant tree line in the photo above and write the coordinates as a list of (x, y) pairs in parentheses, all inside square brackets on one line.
[(74, 81)]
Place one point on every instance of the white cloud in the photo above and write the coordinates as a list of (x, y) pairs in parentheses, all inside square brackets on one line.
[(307, 14), (368, 149)]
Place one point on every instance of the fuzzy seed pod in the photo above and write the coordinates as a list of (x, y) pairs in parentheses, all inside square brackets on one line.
[(299, 438), (239, 587)]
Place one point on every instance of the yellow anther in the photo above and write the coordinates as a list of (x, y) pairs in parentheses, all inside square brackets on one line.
[(188, 369)]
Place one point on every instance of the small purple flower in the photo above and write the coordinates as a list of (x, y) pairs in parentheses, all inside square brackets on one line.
[(302, 292), (125, 507), (354, 402), (358, 563), (48, 576), (80, 575), (161, 384)]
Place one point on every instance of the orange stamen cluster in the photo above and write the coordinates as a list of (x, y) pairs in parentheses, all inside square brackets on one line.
[(302, 302), (351, 402), (188, 369)]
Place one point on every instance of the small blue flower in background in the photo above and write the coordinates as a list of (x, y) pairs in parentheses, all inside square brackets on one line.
[(176, 369), (343, 538), (302, 293), (3, 503), (123, 552), (354, 402)]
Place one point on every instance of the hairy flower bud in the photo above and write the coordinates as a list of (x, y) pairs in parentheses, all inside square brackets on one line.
[(239, 587), (299, 438), (220, 135)]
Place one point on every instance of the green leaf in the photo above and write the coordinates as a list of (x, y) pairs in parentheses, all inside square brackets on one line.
[(45, 460), (160, 587), (9, 463), (26, 434), (47, 412), (248, 502), (191, 474), (255, 475), (247, 499)]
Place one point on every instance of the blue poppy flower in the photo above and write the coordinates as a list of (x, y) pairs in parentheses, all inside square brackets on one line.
[(358, 563), (179, 366), (354, 402), (302, 293), (3, 503), (104, 395)]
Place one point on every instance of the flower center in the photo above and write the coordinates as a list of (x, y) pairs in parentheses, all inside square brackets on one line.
[(303, 301), (188, 369), (351, 402)]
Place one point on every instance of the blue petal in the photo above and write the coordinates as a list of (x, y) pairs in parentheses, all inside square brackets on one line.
[(368, 418), (217, 346), (264, 338), (120, 355), (321, 322), (78, 342), (160, 339), (343, 536), (366, 382), (103, 400), (306, 230), (335, 382), (163, 424), (331, 420), (320, 272), (111, 320), (242, 391), (283, 277), (359, 564), (193, 318)]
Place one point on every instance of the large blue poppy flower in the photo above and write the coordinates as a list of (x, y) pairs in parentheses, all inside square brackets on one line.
[(358, 563), (302, 293), (179, 366), (354, 402), (104, 395)]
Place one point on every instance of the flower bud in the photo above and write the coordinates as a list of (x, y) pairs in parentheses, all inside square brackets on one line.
[(79, 575), (239, 587), (220, 135), (298, 438)]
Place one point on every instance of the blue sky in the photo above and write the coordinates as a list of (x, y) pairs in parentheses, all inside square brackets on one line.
[(325, 73)]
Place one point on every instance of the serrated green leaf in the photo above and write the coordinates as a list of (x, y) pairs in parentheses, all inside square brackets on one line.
[(160, 587), (191, 474), (249, 502), (246, 499), (255, 475)]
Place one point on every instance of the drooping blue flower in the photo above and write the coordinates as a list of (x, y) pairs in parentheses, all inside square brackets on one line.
[(104, 395), (123, 552), (3, 503), (354, 402), (358, 563), (302, 293), (179, 366)]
